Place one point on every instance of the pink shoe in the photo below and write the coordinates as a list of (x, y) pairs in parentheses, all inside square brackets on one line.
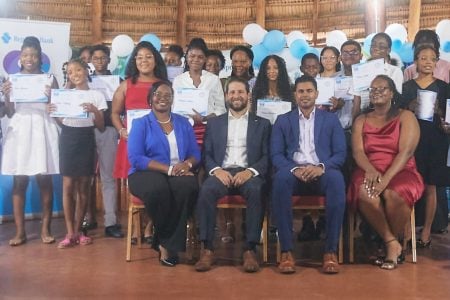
[(84, 240), (67, 242)]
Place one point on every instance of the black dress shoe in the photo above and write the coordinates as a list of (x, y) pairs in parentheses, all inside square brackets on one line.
[(308, 231), (321, 228), (86, 225), (113, 231)]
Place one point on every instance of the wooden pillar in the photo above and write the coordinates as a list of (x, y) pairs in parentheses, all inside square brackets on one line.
[(181, 22), (414, 18), (261, 13), (375, 16), (315, 20), (97, 13)]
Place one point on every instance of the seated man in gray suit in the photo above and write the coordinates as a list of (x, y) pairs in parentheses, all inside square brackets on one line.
[(236, 157)]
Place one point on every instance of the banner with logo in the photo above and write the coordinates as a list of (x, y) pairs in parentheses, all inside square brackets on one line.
[(54, 38)]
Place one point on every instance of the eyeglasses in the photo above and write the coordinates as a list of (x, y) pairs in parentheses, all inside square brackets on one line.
[(350, 53), (379, 90), (328, 57), (141, 58), (161, 96), (101, 58)]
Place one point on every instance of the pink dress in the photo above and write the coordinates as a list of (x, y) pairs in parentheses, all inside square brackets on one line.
[(135, 98), (381, 146)]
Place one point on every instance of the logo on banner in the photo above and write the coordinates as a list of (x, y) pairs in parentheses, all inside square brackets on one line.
[(6, 38)]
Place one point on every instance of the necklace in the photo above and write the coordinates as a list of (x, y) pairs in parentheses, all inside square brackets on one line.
[(164, 122)]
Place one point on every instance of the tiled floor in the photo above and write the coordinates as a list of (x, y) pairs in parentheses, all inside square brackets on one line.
[(38, 271)]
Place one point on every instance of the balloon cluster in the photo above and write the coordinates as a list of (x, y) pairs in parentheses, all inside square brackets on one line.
[(121, 48), (403, 49)]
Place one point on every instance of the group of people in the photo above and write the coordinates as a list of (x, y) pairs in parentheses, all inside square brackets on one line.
[(367, 148)]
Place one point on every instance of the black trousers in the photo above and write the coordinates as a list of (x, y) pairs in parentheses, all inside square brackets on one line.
[(169, 201), (212, 190)]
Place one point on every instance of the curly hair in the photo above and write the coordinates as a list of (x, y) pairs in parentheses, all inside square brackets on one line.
[(132, 72), (250, 55), (261, 88), (425, 36), (32, 42)]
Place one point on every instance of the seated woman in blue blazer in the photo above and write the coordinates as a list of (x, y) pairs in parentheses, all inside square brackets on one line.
[(163, 152)]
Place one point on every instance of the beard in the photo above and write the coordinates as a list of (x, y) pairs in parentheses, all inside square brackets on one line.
[(237, 106)]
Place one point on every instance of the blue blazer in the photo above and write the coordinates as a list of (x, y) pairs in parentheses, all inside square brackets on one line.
[(258, 135), (329, 140), (147, 142)]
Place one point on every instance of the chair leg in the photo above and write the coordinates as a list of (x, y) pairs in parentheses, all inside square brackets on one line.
[(265, 242), (413, 236), (278, 249), (130, 229), (351, 233), (341, 247), (138, 227)]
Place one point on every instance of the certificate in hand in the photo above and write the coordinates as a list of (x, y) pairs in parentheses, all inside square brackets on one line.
[(29, 87), (425, 105), (106, 84), (447, 112), (185, 100), (364, 73), (269, 109), (133, 114), (342, 87), (68, 103), (325, 86)]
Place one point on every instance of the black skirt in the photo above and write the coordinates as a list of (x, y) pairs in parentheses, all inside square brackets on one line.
[(77, 151)]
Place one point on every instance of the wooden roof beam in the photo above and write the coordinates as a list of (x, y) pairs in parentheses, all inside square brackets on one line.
[(97, 14), (261, 13), (414, 18), (375, 16), (181, 22)]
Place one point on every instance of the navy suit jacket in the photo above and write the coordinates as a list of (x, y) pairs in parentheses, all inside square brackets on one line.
[(147, 142), (258, 135), (329, 140)]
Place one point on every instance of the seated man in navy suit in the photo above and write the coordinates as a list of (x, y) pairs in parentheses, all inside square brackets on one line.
[(236, 157), (307, 150)]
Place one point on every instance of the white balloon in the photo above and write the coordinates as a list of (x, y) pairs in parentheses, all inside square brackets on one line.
[(397, 32), (292, 63), (122, 45), (443, 30), (113, 61), (253, 34), (69, 53), (335, 38), (294, 35)]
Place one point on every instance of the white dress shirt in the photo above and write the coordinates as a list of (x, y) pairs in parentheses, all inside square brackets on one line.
[(173, 146), (208, 81), (306, 154)]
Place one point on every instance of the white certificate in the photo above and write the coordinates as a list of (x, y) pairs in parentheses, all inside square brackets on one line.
[(173, 71), (106, 84), (364, 73), (325, 86), (425, 105), (271, 109), (133, 114), (447, 112), (68, 103), (342, 87), (185, 100), (29, 87)]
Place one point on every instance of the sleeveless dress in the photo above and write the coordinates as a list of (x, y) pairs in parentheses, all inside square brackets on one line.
[(135, 98), (31, 142), (381, 146)]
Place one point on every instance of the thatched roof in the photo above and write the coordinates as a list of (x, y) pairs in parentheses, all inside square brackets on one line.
[(219, 22)]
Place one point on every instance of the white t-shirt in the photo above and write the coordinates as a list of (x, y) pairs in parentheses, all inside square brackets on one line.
[(99, 101)]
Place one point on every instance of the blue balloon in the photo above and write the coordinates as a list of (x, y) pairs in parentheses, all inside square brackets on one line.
[(299, 48), (367, 44), (313, 51), (274, 41), (446, 46), (259, 52), (396, 45), (406, 53), (152, 39)]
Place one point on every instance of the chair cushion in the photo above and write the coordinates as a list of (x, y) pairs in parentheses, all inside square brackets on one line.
[(232, 199), (136, 201), (308, 201)]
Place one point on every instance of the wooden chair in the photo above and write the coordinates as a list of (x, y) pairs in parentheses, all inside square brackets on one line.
[(237, 201), (312, 203), (351, 234), (135, 207)]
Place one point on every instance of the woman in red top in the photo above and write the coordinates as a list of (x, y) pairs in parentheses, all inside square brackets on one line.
[(144, 68)]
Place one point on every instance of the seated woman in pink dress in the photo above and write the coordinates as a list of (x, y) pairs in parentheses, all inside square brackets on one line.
[(385, 184)]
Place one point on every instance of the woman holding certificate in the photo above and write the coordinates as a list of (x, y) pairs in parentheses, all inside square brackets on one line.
[(194, 82), (385, 184), (77, 145), (31, 139), (272, 85), (163, 151), (427, 97)]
